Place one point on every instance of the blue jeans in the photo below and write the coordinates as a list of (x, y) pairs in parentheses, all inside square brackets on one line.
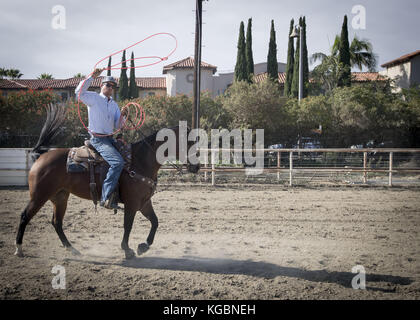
[(105, 147)]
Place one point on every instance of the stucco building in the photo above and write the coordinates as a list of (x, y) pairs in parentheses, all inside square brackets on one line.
[(403, 71)]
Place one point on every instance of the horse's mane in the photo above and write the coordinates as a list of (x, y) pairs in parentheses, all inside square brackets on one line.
[(149, 140)]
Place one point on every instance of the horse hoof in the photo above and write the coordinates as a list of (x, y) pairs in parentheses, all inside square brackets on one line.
[(129, 254), (142, 248), (74, 251), (19, 253)]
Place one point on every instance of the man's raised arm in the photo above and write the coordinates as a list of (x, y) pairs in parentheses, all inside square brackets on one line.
[(87, 97)]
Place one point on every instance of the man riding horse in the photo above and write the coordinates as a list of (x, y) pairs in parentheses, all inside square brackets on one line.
[(104, 119), (50, 180)]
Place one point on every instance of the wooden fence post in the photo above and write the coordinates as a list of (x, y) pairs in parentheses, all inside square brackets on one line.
[(27, 166), (213, 172), (291, 168), (364, 167), (391, 154), (206, 166)]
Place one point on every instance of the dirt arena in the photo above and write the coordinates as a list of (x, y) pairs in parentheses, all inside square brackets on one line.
[(231, 242)]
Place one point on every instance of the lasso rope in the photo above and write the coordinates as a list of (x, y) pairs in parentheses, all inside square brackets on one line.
[(140, 113)]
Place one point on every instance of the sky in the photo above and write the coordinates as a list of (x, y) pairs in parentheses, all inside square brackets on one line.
[(33, 42)]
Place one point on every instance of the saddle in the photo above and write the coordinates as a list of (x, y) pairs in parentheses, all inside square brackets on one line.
[(87, 159), (78, 158)]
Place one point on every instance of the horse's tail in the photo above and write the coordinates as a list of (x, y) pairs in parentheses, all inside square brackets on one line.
[(56, 115)]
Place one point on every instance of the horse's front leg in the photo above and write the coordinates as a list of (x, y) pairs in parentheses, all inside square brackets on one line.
[(149, 213), (129, 214)]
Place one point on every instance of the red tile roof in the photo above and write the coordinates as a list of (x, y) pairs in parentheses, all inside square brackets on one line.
[(145, 83), (366, 76), (26, 83), (402, 59), (36, 84), (10, 84), (188, 63), (74, 82), (356, 77), (152, 82), (262, 76)]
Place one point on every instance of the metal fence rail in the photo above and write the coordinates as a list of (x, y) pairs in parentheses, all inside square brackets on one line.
[(350, 161), (287, 165)]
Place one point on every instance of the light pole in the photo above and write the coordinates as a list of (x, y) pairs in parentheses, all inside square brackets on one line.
[(197, 66), (297, 33)]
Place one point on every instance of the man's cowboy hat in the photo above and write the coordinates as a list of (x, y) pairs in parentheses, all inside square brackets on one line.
[(109, 79)]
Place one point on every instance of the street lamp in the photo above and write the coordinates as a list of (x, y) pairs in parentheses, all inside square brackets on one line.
[(297, 33)]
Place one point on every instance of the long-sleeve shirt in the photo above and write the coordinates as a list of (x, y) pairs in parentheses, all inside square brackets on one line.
[(103, 112)]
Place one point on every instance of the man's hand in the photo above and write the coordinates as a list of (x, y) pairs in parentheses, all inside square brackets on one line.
[(97, 72)]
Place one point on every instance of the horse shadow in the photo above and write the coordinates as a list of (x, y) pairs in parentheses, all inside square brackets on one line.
[(259, 269)]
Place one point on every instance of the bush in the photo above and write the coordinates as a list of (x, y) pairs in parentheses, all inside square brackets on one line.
[(258, 106), (161, 112), (365, 115), (23, 115)]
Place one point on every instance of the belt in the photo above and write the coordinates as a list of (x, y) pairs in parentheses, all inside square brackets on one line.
[(93, 134)]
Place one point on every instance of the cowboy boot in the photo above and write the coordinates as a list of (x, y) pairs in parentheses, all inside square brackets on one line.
[(112, 202)]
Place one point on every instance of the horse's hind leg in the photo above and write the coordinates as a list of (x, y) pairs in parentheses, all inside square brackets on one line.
[(34, 205), (60, 205), (150, 214)]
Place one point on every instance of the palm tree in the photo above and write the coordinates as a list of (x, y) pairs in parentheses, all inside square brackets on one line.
[(361, 54), (328, 73), (3, 73), (13, 73), (45, 76), (79, 75)]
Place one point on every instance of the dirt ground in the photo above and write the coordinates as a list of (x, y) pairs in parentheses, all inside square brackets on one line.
[(230, 242)]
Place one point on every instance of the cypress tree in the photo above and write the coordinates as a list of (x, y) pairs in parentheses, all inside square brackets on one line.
[(294, 92), (248, 52), (108, 73), (123, 92), (133, 90), (290, 62), (272, 65), (241, 71), (305, 60), (344, 56)]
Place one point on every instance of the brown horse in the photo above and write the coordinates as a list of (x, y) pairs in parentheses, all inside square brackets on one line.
[(48, 180)]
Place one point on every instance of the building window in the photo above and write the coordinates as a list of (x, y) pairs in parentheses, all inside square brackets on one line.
[(64, 96), (190, 78)]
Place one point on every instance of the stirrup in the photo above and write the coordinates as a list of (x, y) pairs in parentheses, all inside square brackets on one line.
[(108, 204)]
